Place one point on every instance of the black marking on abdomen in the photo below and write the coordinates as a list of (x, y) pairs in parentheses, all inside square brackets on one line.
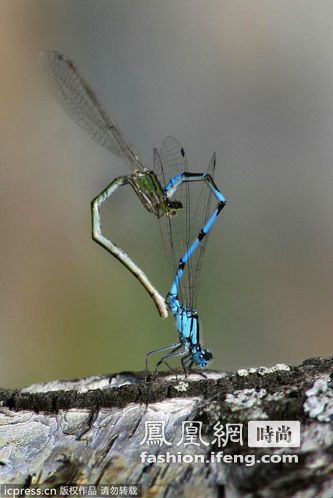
[(181, 265), (201, 235), (187, 174), (220, 206)]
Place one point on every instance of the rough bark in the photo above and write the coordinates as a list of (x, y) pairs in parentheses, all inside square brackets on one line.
[(89, 431)]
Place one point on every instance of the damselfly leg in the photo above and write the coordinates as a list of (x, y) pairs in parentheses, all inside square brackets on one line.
[(187, 363), (158, 350), (175, 352)]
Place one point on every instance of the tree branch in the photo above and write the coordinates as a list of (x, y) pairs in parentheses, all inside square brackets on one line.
[(90, 430)]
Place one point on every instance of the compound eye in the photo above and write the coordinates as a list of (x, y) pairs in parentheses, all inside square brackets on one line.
[(207, 355), (175, 206)]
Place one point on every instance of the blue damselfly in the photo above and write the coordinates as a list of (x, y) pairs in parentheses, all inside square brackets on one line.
[(185, 237)]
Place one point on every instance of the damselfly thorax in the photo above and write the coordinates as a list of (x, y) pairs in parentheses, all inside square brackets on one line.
[(149, 190)]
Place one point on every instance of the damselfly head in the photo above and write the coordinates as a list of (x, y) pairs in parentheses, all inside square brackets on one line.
[(201, 357), (174, 207), (208, 355)]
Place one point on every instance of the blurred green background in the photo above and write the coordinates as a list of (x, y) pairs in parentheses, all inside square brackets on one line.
[(251, 80)]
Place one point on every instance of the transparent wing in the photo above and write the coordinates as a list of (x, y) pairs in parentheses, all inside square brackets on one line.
[(203, 212), (174, 228), (180, 231), (80, 102)]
